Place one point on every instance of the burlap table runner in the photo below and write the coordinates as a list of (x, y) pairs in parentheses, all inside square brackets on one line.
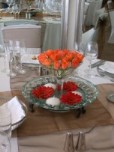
[(43, 121)]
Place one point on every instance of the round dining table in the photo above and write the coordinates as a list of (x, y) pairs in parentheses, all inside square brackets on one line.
[(45, 130)]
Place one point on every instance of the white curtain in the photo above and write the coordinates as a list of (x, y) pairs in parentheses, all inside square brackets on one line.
[(72, 18)]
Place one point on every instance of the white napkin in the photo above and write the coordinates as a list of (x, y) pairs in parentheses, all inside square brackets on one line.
[(82, 71), (28, 58), (16, 110), (4, 78), (14, 144), (108, 66)]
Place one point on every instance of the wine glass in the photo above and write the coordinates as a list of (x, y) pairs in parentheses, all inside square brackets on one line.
[(18, 10), (19, 50), (91, 54), (10, 4), (9, 47)]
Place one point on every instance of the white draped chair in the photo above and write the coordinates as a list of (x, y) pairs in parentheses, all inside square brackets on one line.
[(90, 35), (111, 37), (91, 11), (28, 33)]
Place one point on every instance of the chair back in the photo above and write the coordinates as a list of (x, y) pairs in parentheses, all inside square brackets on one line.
[(111, 36), (90, 14), (30, 34)]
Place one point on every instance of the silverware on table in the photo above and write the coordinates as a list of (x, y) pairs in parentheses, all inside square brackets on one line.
[(98, 63), (103, 73)]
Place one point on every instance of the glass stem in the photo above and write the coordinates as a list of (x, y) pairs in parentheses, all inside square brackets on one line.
[(90, 67), (62, 82), (11, 66)]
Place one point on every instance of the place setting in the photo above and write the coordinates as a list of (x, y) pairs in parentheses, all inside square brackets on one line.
[(11, 118), (107, 69)]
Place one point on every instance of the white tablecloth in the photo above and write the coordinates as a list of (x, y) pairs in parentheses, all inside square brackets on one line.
[(82, 72), (51, 30), (5, 86), (51, 33)]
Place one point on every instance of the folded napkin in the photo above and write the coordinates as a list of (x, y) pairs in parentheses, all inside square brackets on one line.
[(82, 71), (14, 144), (30, 58), (100, 139), (16, 110), (108, 67)]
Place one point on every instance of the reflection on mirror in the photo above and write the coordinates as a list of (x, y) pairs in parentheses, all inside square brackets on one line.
[(97, 26)]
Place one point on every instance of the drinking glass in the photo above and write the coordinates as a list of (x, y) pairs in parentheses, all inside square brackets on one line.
[(16, 10), (19, 10), (12, 61), (7, 59), (91, 54), (20, 50), (2, 50)]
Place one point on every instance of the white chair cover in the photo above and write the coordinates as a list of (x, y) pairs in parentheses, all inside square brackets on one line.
[(1, 38), (90, 15), (30, 34), (88, 36), (111, 38)]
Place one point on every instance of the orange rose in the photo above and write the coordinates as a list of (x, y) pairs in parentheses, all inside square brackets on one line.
[(65, 64), (69, 57), (49, 52), (75, 63), (56, 65), (47, 62), (60, 59)]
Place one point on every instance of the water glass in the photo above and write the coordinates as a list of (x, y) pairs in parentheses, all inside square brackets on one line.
[(16, 52), (10, 58), (6, 58), (20, 49), (91, 54)]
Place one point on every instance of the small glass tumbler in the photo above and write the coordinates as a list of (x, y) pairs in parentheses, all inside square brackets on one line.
[(91, 55)]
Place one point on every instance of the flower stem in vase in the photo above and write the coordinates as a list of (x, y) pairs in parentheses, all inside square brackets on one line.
[(60, 83)]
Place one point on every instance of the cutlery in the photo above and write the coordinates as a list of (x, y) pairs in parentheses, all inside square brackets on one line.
[(104, 73), (98, 63)]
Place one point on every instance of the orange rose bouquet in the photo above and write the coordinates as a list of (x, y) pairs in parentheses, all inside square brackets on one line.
[(62, 62)]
